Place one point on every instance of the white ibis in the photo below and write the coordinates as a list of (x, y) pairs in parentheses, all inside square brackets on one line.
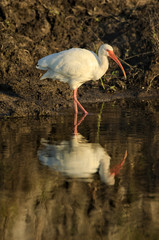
[(77, 66)]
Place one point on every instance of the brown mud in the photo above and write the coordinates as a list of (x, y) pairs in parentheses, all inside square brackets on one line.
[(33, 29)]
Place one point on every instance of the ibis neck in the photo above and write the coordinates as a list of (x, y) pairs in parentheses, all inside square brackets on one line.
[(103, 64)]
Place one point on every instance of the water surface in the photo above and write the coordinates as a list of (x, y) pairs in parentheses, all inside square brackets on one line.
[(55, 184)]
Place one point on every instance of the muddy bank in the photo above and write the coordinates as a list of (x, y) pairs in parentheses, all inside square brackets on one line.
[(33, 29)]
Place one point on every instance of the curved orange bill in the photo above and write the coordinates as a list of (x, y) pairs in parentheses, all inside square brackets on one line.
[(112, 55)]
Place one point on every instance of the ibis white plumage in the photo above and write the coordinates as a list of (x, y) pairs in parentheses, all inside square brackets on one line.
[(78, 158), (77, 66)]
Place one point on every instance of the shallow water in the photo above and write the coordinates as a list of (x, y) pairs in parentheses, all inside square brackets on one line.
[(100, 183)]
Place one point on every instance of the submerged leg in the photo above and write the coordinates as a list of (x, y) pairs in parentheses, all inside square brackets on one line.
[(76, 124), (76, 101)]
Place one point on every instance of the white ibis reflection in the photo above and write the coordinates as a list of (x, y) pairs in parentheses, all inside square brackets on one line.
[(78, 158)]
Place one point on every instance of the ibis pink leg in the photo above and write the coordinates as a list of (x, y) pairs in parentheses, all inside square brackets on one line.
[(77, 102), (76, 108)]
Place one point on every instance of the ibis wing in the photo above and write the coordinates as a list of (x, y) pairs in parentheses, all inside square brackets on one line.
[(74, 66), (74, 63)]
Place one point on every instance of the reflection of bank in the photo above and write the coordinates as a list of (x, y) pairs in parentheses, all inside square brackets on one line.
[(78, 158)]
